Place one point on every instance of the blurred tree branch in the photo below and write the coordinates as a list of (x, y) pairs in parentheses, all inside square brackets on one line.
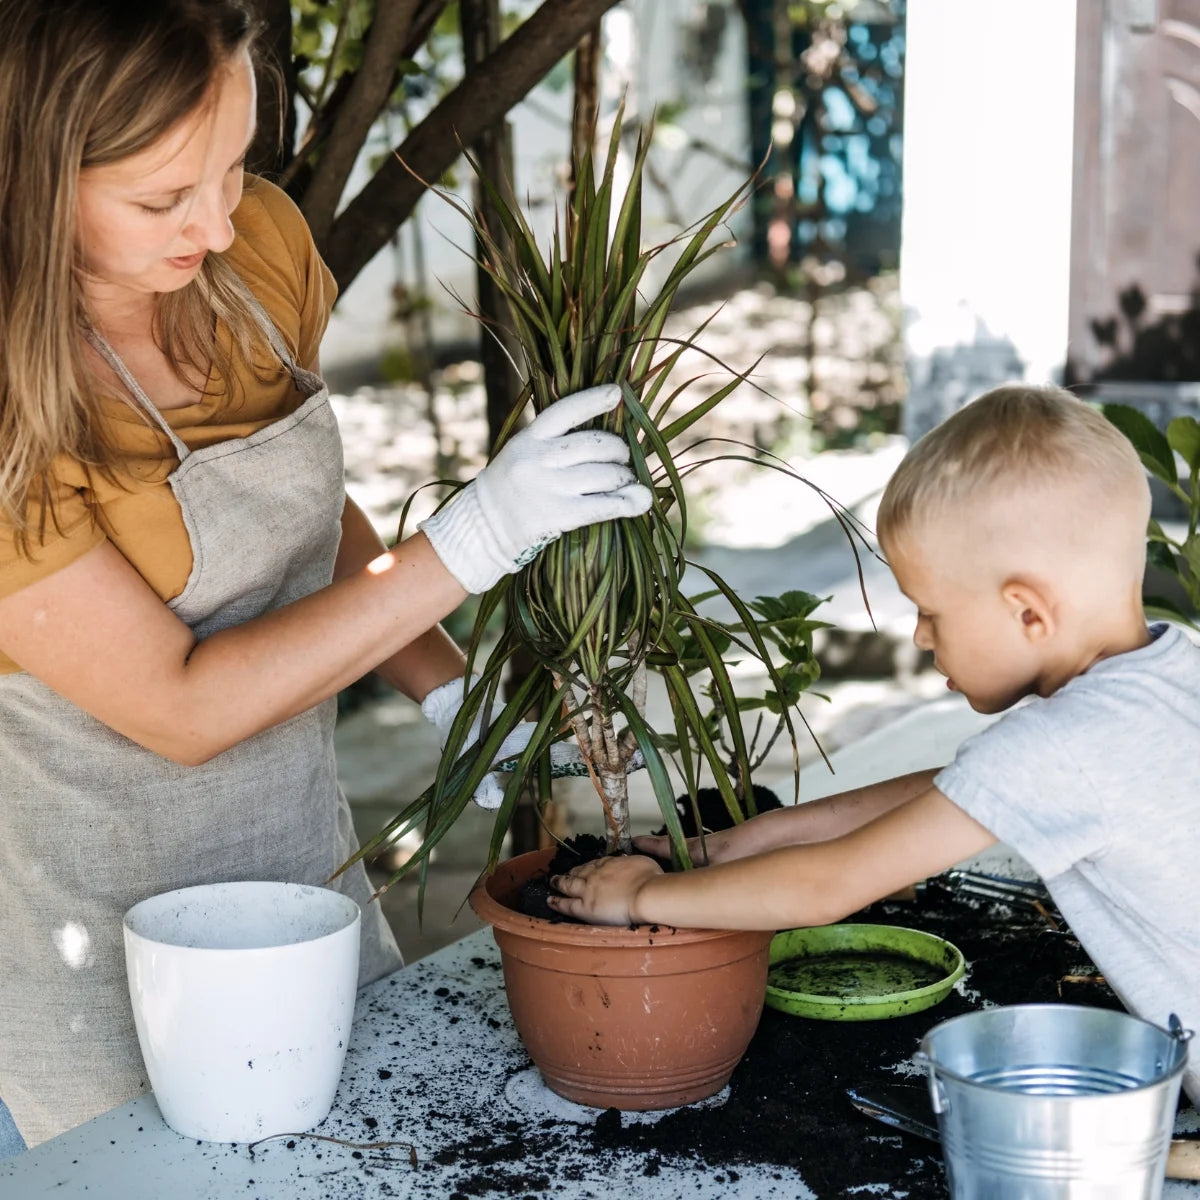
[(316, 174)]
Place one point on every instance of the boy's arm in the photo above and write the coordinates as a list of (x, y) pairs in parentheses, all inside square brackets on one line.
[(814, 821), (784, 888)]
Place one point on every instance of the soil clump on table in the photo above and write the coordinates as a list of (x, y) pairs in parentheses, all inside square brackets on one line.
[(787, 1102)]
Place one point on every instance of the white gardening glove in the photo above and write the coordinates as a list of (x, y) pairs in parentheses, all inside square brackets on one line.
[(441, 707), (544, 481)]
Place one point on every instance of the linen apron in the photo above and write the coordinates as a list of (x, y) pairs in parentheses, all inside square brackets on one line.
[(91, 822)]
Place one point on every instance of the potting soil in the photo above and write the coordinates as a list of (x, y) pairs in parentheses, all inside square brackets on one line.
[(471, 1118), (787, 1100), (787, 1103)]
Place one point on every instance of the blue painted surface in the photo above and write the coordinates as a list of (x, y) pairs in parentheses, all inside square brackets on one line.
[(846, 154)]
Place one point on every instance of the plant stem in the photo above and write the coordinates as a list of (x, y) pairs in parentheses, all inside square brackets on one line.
[(590, 736), (613, 779)]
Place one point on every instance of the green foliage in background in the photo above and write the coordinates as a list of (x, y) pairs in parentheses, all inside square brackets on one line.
[(1178, 558)]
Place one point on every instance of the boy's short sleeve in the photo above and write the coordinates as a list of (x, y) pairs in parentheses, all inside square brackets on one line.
[(51, 548), (1027, 787)]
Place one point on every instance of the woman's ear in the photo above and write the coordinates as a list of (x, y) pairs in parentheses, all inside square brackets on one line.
[(1031, 608)]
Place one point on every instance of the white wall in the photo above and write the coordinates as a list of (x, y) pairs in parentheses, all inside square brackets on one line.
[(644, 43), (984, 263)]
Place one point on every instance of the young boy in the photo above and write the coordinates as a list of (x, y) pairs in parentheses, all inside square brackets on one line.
[(1017, 528)]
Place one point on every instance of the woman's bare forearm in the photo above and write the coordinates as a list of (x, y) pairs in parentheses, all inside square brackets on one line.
[(427, 661), (253, 676)]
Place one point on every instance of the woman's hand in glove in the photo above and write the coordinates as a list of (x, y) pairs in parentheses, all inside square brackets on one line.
[(549, 478)]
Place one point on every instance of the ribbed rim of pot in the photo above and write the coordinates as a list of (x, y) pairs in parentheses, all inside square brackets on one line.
[(493, 912)]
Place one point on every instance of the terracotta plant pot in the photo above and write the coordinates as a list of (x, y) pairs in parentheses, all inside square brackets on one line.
[(641, 1018)]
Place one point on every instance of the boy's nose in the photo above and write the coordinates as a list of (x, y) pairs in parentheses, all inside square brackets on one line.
[(922, 638)]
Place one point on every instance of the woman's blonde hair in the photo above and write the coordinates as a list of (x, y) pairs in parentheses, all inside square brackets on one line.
[(1014, 437), (84, 83)]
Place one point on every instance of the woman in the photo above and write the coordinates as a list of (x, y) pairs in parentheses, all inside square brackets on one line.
[(183, 585)]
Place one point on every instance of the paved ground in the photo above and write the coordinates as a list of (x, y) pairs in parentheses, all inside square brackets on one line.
[(764, 532)]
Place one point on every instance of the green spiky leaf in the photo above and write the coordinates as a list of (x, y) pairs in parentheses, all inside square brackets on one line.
[(601, 606)]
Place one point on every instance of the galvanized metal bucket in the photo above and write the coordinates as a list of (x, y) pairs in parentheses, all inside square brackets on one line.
[(1054, 1102)]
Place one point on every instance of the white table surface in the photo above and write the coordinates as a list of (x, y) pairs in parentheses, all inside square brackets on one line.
[(434, 1060), (458, 1076)]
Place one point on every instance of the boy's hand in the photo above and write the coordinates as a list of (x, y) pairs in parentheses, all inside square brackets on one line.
[(721, 847), (603, 892)]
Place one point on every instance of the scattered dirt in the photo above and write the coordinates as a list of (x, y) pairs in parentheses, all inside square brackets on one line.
[(787, 1101), (787, 1104)]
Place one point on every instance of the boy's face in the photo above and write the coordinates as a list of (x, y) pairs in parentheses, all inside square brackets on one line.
[(976, 640)]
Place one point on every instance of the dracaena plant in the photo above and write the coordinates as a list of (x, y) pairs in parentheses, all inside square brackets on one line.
[(602, 607)]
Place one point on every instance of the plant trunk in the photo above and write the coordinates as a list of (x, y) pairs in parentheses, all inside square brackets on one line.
[(499, 351), (614, 788), (608, 756), (298, 172), (275, 136), (585, 108), (365, 99)]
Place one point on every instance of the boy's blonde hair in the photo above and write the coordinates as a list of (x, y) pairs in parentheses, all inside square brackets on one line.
[(1011, 440)]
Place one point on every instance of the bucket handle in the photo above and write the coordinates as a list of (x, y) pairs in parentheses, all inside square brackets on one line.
[(941, 1101), (1179, 1036), (1176, 1030), (937, 1093)]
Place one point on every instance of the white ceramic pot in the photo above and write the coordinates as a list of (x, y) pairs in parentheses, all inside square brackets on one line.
[(243, 996)]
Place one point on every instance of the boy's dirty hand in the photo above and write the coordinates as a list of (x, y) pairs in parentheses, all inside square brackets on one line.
[(716, 847), (603, 892)]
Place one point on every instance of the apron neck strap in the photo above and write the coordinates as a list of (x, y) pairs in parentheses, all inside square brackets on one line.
[(141, 401), (305, 380), (272, 334)]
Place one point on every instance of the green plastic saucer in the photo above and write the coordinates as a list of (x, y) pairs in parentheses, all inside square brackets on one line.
[(860, 972)]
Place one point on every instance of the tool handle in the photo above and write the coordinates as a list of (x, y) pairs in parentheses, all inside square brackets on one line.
[(1183, 1159)]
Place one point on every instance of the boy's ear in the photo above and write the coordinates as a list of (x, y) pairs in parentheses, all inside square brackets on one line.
[(1029, 605)]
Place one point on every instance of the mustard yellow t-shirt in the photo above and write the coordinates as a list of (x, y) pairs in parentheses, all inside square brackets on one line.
[(274, 255)]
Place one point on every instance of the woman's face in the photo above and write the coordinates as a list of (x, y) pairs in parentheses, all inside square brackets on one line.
[(145, 223)]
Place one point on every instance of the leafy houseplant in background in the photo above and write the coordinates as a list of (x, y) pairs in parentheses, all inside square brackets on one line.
[(1177, 558), (600, 609)]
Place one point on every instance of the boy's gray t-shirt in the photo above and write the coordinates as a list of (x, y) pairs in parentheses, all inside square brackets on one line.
[(1098, 787)]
